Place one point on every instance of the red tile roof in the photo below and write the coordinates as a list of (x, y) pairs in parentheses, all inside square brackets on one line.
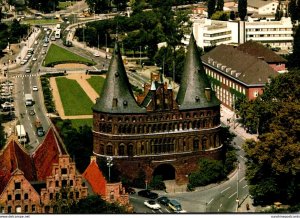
[(95, 178), (260, 51), (46, 154), (13, 156)]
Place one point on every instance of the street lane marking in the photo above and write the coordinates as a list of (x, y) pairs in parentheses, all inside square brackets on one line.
[(245, 186), (242, 179), (221, 205), (160, 210), (210, 201), (153, 211), (225, 189), (232, 195), (168, 210)]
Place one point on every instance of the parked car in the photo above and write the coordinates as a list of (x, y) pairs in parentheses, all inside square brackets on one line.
[(34, 58), (45, 44), (28, 70), (6, 106), (163, 200), (148, 194), (152, 204), (97, 54), (129, 190), (175, 205)]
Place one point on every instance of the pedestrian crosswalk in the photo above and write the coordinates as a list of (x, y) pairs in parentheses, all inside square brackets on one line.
[(25, 75)]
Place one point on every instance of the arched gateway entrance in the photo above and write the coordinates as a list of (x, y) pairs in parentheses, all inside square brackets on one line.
[(167, 171)]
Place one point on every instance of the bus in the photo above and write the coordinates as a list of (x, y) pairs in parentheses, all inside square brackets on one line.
[(57, 34), (21, 133)]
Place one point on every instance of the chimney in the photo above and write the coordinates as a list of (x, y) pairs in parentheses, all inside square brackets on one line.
[(228, 69), (208, 94)]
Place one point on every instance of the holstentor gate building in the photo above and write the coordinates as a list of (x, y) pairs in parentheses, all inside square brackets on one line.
[(155, 132)]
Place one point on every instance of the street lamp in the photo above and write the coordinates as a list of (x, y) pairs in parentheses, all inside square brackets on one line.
[(105, 46), (109, 164), (237, 187), (94, 10)]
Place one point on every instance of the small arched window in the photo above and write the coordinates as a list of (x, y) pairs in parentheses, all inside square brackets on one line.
[(130, 150), (121, 150), (109, 150)]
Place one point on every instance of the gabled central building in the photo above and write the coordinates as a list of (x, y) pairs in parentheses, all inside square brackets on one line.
[(157, 134)]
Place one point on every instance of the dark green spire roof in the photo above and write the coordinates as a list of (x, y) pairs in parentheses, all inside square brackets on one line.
[(194, 81), (116, 95)]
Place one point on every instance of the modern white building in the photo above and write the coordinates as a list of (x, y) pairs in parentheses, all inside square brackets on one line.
[(274, 33), (211, 32)]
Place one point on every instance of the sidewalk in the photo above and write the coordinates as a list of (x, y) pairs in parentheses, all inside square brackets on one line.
[(235, 127)]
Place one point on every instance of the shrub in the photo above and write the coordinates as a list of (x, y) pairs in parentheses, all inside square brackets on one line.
[(157, 183)]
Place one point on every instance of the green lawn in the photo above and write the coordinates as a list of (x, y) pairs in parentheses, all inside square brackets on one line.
[(81, 122), (96, 82), (64, 5), (74, 99), (59, 55)]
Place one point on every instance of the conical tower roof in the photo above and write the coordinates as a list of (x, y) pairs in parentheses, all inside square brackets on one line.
[(116, 95), (194, 81)]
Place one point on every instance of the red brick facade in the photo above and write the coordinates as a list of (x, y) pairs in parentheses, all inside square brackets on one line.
[(19, 196), (64, 186)]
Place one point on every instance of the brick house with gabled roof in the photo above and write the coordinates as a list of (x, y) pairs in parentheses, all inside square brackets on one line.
[(234, 73), (260, 51), (111, 192), (19, 196), (41, 182), (13, 156), (46, 154)]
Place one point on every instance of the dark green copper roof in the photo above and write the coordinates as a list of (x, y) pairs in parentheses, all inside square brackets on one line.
[(116, 95), (191, 94)]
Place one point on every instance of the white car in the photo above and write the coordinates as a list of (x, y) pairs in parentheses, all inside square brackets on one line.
[(23, 62), (152, 204), (34, 58), (34, 88), (45, 44), (28, 70), (35, 42), (7, 105), (96, 54), (43, 52)]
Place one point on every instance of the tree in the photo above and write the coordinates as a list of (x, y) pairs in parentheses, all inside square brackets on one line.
[(294, 59), (293, 12), (242, 8), (99, 6), (232, 15), (273, 166), (79, 143), (220, 15), (211, 5), (94, 204), (220, 5), (279, 13), (157, 183)]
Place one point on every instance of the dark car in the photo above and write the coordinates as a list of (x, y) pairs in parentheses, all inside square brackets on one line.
[(148, 194), (163, 200), (129, 190)]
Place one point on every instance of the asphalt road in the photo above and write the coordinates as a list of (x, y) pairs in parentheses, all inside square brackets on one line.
[(216, 199)]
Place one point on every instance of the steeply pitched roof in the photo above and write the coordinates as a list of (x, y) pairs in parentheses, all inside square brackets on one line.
[(258, 50), (258, 3), (46, 154), (249, 69), (95, 178), (13, 156), (191, 93), (116, 94)]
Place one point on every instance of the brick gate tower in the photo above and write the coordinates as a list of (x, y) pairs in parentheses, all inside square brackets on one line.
[(156, 132)]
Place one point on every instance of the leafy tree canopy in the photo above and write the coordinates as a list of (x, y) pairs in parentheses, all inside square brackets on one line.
[(94, 204), (273, 167), (220, 15)]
